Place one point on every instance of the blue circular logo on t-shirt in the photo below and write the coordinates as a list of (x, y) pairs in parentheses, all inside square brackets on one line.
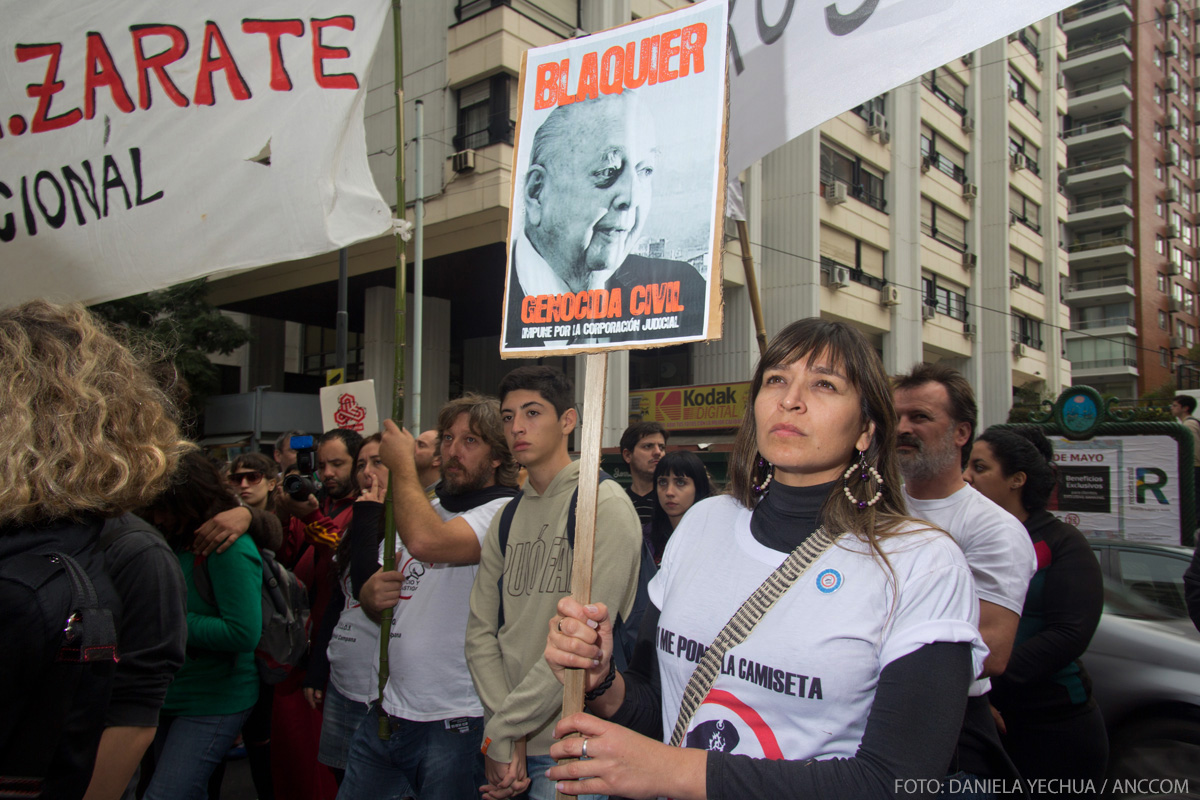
[(829, 581)]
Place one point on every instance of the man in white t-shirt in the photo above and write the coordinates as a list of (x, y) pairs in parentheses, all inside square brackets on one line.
[(429, 704), (938, 415)]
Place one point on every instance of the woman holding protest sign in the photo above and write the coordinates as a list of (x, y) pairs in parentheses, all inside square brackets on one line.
[(847, 668)]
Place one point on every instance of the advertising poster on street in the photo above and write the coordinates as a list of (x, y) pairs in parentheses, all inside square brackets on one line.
[(618, 180), (1119, 486), (691, 408), (144, 144), (351, 406)]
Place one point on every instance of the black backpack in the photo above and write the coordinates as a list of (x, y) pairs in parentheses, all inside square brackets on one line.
[(60, 615), (624, 630), (285, 616)]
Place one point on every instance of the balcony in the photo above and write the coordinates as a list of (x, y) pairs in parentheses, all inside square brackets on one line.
[(1097, 173), (1107, 133), (1100, 252), (1109, 326), (1088, 59), (1099, 97), (1088, 19), (1107, 211), (1083, 371), (1092, 292)]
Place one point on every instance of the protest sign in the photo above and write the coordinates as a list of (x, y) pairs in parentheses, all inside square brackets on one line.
[(143, 144), (351, 406), (614, 234)]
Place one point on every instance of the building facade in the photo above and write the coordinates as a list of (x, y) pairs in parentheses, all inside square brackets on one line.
[(942, 218)]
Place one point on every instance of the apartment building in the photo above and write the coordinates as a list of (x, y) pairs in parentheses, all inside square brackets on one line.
[(934, 217)]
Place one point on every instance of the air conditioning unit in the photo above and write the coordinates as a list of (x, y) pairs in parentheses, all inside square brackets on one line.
[(928, 312), (969, 330), (970, 192), (1173, 269), (1039, 64), (968, 59), (877, 123), (1014, 281), (839, 277), (1061, 81), (1176, 342), (926, 163), (884, 137), (968, 124), (1172, 84), (463, 161), (1019, 350), (889, 296), (1173, 305), (1017, 162), (970, 260), (1172, 231), (1172, 49), (1172, 195), (1172, 10), (835, 193)]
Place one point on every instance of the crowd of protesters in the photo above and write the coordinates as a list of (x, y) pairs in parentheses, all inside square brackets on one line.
[(937, 633)]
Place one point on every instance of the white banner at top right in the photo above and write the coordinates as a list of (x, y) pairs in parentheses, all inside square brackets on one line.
[(796, 63)]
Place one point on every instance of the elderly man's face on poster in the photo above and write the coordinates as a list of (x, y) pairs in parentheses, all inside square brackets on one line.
[(587, 202)]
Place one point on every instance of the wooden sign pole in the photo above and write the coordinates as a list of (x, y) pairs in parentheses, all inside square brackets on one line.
[(595, 381)]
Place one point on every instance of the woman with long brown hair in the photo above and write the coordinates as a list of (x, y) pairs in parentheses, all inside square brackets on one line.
[(847, 668)]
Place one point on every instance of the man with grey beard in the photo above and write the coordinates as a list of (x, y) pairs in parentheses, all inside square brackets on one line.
[(938, 414)]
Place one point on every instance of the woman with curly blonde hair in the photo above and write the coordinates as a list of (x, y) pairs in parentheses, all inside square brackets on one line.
[(87, 436)]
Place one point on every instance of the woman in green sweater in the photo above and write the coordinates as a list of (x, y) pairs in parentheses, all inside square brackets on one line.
[(218, 685)]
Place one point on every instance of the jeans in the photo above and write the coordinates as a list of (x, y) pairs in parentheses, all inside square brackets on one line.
[(430, 760), (541, 787), (187, 750)]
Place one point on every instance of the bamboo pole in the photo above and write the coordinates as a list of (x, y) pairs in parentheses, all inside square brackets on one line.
[(760, 328), (389, 524)]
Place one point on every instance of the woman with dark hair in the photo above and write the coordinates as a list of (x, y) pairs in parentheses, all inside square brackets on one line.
[(1049, 722), (852, 627), (681, 481), (216, 688), (253, 478)]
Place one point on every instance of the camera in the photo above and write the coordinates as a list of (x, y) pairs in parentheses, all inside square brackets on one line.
[(299, 485)]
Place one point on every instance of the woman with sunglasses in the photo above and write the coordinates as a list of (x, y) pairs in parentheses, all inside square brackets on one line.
[(254, 477), (849, 676), (343, 673)]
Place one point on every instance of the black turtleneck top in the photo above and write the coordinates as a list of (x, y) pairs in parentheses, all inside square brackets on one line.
[(914, 720)]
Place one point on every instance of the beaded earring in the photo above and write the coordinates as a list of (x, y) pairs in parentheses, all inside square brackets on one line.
[(865, 471), (762, 487)]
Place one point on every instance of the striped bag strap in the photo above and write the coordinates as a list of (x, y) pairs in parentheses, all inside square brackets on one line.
[(743, 622)]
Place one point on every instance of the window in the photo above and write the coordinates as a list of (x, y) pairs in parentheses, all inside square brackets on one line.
[(947, 87), (1027, 269), (1158, 21), (1162, 321), (1189, 267), (1164, 357), (945, 226), (1029, 37), (1092, 352), (1160, 244), (1027, 331), (1021, 90), (1158, 95), (1103, 316), (1158, 132), (1019, 145), (946, 297), (319, 352), (1162, 282), (1022, 209), (864, 260), (1158, 59), (863, 182), (1159, 207), (483, 114), (874, 105), (943, 155), (1185, 59), (1158, 169)]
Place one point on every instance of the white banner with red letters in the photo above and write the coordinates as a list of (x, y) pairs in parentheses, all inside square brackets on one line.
[(146, 143), (795, 63)]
